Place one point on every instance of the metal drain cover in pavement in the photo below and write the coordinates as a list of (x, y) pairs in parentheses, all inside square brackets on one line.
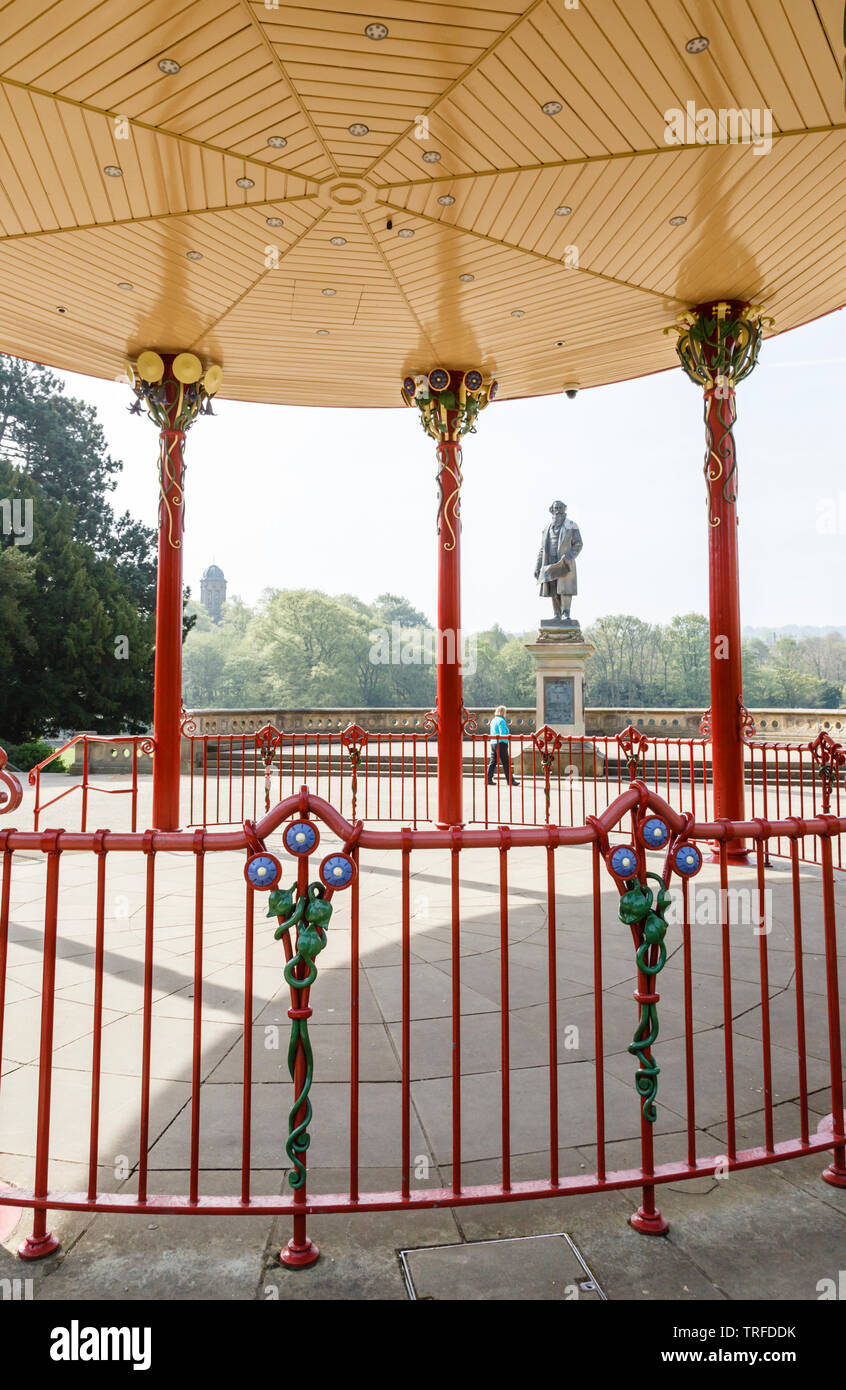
[(523, 1267)]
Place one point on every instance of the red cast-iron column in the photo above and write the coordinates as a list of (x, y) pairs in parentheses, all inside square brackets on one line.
[(175, 390), (718, 346), (449, 403)]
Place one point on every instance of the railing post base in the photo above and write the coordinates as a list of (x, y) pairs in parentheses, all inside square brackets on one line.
[(37, 1247), (649, 1223), (299, 1254), (835, 1174)]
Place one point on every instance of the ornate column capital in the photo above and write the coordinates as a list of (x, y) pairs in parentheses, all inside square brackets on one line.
[(174, 387), (449, 402), (718, 342)]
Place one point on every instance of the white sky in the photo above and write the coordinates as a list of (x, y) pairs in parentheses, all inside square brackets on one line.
[(344, 500)]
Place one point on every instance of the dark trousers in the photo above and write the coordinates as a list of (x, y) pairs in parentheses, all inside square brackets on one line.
[(499, 750)]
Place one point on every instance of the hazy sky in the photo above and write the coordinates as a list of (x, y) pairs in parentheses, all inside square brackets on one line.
[(344, 500)]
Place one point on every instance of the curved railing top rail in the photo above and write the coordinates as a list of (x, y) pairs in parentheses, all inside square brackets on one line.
[(210, 841), (146, 741), (11, 791), (267, 732)]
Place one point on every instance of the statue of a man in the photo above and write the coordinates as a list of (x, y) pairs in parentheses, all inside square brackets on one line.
[(556, 564)]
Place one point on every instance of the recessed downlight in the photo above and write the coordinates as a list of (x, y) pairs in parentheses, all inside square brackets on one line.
[(431, 157), (337, 241), (562, 342), (194, 255), (376, 32), (466, 278), (245, 183), (406, 231), (274, 221), (563, 211), (551, 108), (60, 309), (677, 221), (697, 45), (518, 313), (169, 66), (322, 332), (125, 285), (358, 129), (277, 142), (329, 292), (113, 171), (446, 200)]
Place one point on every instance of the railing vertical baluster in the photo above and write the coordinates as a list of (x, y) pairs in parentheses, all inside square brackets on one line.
[(197, 1038), (766, 1041), (300, 1250), (836, 1171), (97, 1029), (455, 924), (406, 1010), (690, 1095), (504, 1007), (247, 1082), (647, 1219), (134, 795), (728, 1040), (42, 1242), (598, 1030), (355, 1031), (84, 817), (798, 960), (5, 896), (147, 1018)]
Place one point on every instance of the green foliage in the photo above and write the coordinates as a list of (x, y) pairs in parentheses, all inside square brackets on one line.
[(639, 664), (86, 580), (23, 756), (300, 648)]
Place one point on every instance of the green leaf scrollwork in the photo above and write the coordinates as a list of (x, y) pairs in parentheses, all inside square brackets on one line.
[(644, 911), (310, 914)]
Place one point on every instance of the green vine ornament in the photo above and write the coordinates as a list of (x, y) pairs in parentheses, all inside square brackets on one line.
[(309, 913), (640, 907), (644, 911)]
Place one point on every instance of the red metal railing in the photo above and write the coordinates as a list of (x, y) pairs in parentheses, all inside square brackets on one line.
[(128, 748), (380, 777), (797, 779), (563, 780), (391, 777), (767, 1056)]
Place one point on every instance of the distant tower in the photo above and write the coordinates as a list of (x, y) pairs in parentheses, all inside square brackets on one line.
[(213, 592)]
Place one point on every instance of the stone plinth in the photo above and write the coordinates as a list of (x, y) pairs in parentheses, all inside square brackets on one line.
[(560, 654)]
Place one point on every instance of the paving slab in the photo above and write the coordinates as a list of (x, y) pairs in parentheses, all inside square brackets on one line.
[(519, 1269)]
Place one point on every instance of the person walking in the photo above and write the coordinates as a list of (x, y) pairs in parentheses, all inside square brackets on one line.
[(499, 748)]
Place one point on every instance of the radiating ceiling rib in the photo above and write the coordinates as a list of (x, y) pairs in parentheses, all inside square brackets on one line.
[(269, 271), (456, 82), (399, 287), (139, 124), (283, 71)]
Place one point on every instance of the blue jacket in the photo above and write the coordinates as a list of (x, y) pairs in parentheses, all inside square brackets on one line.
[(499, 728)]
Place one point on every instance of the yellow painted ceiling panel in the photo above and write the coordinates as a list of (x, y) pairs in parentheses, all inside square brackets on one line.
[(415, 175)]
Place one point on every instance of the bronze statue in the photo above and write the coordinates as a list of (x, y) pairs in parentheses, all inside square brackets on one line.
[(556, 563)]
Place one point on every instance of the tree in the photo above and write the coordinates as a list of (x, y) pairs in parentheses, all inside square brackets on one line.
[(79, 597)]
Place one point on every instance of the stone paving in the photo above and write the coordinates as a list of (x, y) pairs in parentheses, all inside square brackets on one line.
[(773, 1232)]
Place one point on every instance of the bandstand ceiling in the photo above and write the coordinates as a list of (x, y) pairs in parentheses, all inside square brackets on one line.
[(329, 305)]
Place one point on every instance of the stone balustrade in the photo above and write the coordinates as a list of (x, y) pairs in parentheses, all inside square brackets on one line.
[(772, 725), (781, 725)]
